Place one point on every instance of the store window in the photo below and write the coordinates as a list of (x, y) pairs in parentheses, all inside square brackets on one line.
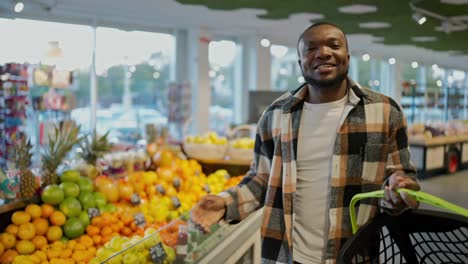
[(133, 73), (285, 70), (62, 49), (224, 58), (456, 93)]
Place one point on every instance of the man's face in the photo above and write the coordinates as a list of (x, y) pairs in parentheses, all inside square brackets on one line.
[(323, 56)]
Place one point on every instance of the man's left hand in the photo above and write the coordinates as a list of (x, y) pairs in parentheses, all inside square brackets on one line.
[(400, 200)]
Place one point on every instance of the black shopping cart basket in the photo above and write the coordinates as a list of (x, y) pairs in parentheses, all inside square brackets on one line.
[(415, 236)]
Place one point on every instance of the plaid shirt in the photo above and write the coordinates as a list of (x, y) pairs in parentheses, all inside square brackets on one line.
[(371, 143)]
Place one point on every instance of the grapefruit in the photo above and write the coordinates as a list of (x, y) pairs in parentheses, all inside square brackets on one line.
[(100, 199), (74, 227), (70, 189), (70, 176), (85, 184), (70, 207), (52, 194), (87, 200)]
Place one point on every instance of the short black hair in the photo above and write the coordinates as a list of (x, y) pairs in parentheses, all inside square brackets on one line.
[(317, 24)]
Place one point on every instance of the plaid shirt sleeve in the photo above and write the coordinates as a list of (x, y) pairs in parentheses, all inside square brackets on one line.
[(249, 195), (398, 147)]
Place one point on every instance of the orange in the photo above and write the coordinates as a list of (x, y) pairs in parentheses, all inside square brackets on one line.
[(39, 241), (106, 231), (80, 247), (12, 229), (71, 244), (8, 256), (41, 225), (2, 249), (47, 210), (42, 255), (20, 217), (126, 231), (54, 233), (26, 231), (34, 211), (92, 230), (97, 240), (79, 255), (57, 218), (25, 247), (8, 240), (53, 253), (97, 221), (66, 253), (87, 241)]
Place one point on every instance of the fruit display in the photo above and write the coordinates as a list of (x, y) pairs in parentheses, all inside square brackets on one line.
[(57, 149), (206, 147), (87, 220), (22, 157), (241, 149)]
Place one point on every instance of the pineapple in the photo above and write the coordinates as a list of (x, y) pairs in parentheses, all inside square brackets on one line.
[(94, 147), (59, 146), (22, 157)]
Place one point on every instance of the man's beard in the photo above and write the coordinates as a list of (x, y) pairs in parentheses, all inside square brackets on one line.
[(332, 83)]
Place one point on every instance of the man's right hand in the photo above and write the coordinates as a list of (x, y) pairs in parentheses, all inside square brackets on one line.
[(208, 211)]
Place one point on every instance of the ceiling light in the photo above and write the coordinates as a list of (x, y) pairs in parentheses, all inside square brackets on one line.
[(265, 42), (439, 83), (156, 75), (414, 64), (300, 79), (374, 25), (366, 57), (278, 51), (392, 60), (424, 39), (19, 6), (435, 67), (419, 18), (212, 74), (358, 9)]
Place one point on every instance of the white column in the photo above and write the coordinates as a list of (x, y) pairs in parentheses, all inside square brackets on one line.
[(181, 62), (249, 73), (354, 69), (201, 90), (398, 77), (263, 66), (93, 83)]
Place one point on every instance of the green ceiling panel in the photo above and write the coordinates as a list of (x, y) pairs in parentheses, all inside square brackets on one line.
[(396, 12)]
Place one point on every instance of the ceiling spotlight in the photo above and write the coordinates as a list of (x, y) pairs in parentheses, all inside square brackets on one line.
[(265, 42), (439, 83), (19, 6), (366, 57), (414, 64), (419, 18), (435, 67), (392, 60), (300, 79)]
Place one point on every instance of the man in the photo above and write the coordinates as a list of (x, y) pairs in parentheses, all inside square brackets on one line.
[(315, 148)]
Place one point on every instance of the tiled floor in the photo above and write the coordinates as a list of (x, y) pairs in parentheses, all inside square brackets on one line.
[(453, 188)]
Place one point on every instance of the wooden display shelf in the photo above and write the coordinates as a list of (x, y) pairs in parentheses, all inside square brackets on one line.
[(435, 141), (234, 167)]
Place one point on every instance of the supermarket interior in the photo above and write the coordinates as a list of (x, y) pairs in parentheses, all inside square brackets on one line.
[(118, 116)]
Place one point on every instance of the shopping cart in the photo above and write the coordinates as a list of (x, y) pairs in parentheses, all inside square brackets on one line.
[(415, 236)]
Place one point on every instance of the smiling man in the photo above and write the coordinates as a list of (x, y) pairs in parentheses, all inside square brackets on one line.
[(316, 147)]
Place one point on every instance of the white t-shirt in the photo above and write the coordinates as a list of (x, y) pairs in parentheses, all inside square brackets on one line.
[(317, 132)]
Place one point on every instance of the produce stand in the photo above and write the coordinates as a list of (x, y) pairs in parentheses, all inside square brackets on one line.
[(234, 167), (439, 154)]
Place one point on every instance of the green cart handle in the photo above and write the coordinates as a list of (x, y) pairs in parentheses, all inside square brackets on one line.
[(420, 196)]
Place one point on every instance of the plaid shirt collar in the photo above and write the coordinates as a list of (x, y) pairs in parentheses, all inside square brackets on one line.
[(300, 94)]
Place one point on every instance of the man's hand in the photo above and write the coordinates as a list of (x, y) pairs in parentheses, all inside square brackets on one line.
[(396, 200), (208, 211)]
